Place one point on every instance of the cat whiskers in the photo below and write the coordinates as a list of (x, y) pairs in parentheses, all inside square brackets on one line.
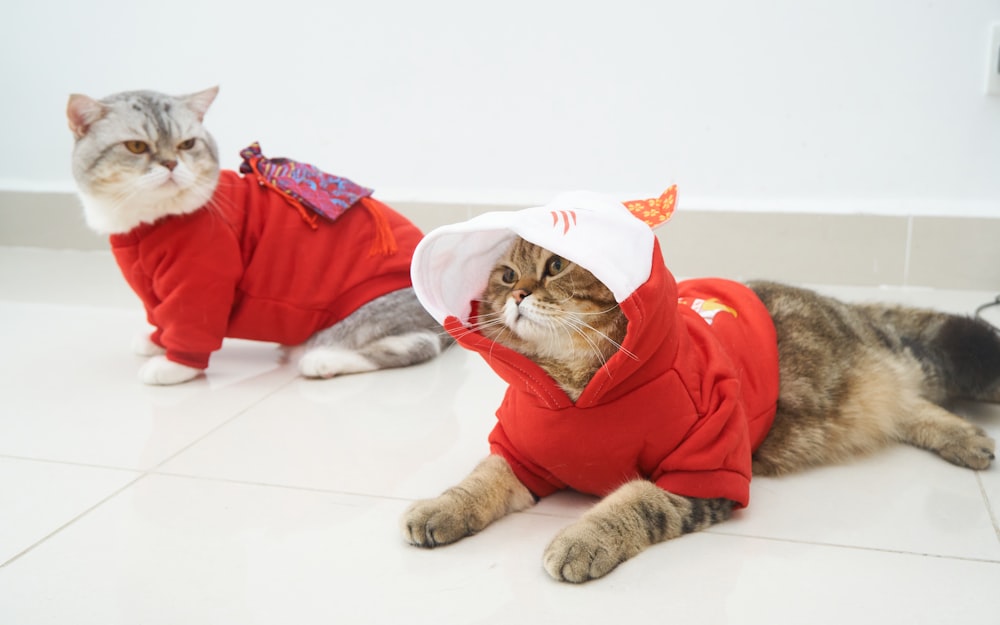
[(217, 201), (574, 321), (122, 198), (479, 323), (225, 196), (489, 321), (129, 198)]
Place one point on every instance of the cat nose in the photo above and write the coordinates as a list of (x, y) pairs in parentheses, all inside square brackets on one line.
[(169, 164), (519, 295)]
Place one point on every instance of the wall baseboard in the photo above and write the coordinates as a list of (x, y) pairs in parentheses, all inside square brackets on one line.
[(848, 249)]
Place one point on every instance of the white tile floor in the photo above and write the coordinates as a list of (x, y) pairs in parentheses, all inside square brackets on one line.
[(253, 496)]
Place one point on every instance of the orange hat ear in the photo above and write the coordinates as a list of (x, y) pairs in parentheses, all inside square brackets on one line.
[(655, 211)]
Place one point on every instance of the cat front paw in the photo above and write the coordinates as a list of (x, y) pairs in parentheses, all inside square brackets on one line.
[(436, 522), (160, 371), (582, 552), (142, 345)]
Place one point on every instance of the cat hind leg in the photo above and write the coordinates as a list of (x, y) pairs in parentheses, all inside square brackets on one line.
[(328, 362), (387, 352), (403, 350), (931, 427), (390, 331)]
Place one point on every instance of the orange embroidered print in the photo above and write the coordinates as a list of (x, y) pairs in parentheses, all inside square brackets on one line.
[(707, 308)]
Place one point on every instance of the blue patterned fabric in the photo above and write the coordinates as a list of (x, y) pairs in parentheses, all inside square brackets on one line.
[(320, 192)]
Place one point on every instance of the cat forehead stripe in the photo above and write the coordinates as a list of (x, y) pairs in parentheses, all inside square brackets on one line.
[(566, 216)]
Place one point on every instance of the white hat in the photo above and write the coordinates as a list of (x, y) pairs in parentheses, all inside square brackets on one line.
[(452, 264)]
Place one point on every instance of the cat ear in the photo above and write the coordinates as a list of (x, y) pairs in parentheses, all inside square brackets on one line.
[(82, 111), (655, 211), (199, 102)]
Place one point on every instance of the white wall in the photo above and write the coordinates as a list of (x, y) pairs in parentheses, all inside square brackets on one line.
[(814, 106)]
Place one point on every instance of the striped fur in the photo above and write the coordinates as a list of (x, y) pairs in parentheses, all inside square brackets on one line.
[(565, 320), (635, 516), (853, 379)]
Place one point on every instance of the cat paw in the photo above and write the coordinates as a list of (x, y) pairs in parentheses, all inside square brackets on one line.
[(976, 450), (582, 552), (143, 346), (327, 362), (435, 522), (160, 371)]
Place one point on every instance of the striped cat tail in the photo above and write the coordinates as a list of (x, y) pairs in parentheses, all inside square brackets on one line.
[(960, 355), (971, 349)]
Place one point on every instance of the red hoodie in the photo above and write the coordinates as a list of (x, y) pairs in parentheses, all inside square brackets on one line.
[(685, 412), (246, 265)]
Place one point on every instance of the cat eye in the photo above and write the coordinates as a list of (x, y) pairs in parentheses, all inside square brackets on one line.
[(554, 266), (509, 276), (137, 147), (186, 145)]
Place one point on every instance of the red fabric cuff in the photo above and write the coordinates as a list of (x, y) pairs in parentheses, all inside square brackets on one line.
[(188, 359), (719, 483)]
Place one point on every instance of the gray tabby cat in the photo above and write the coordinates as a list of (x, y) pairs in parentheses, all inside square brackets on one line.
[(143, 157), (853, 378)]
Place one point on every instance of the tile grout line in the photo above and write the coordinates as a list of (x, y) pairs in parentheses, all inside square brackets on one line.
[(143, 474), (303, 489), (989, 505), (239, 413), (854, 547), (73, 520), (715, 531), (153, 469), (70, 463)]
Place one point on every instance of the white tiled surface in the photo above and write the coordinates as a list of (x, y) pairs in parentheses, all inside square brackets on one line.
[(253, 496)]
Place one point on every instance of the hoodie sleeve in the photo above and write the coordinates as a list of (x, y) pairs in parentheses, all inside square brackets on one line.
[(189, 270), (712, 458)]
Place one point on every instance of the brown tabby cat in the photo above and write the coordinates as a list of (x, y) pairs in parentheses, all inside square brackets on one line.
[(853, 378)]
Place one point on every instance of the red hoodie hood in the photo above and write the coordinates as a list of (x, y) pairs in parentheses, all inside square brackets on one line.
[(683, 403)]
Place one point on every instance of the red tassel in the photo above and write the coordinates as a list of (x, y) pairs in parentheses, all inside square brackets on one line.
[(383, 241)]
